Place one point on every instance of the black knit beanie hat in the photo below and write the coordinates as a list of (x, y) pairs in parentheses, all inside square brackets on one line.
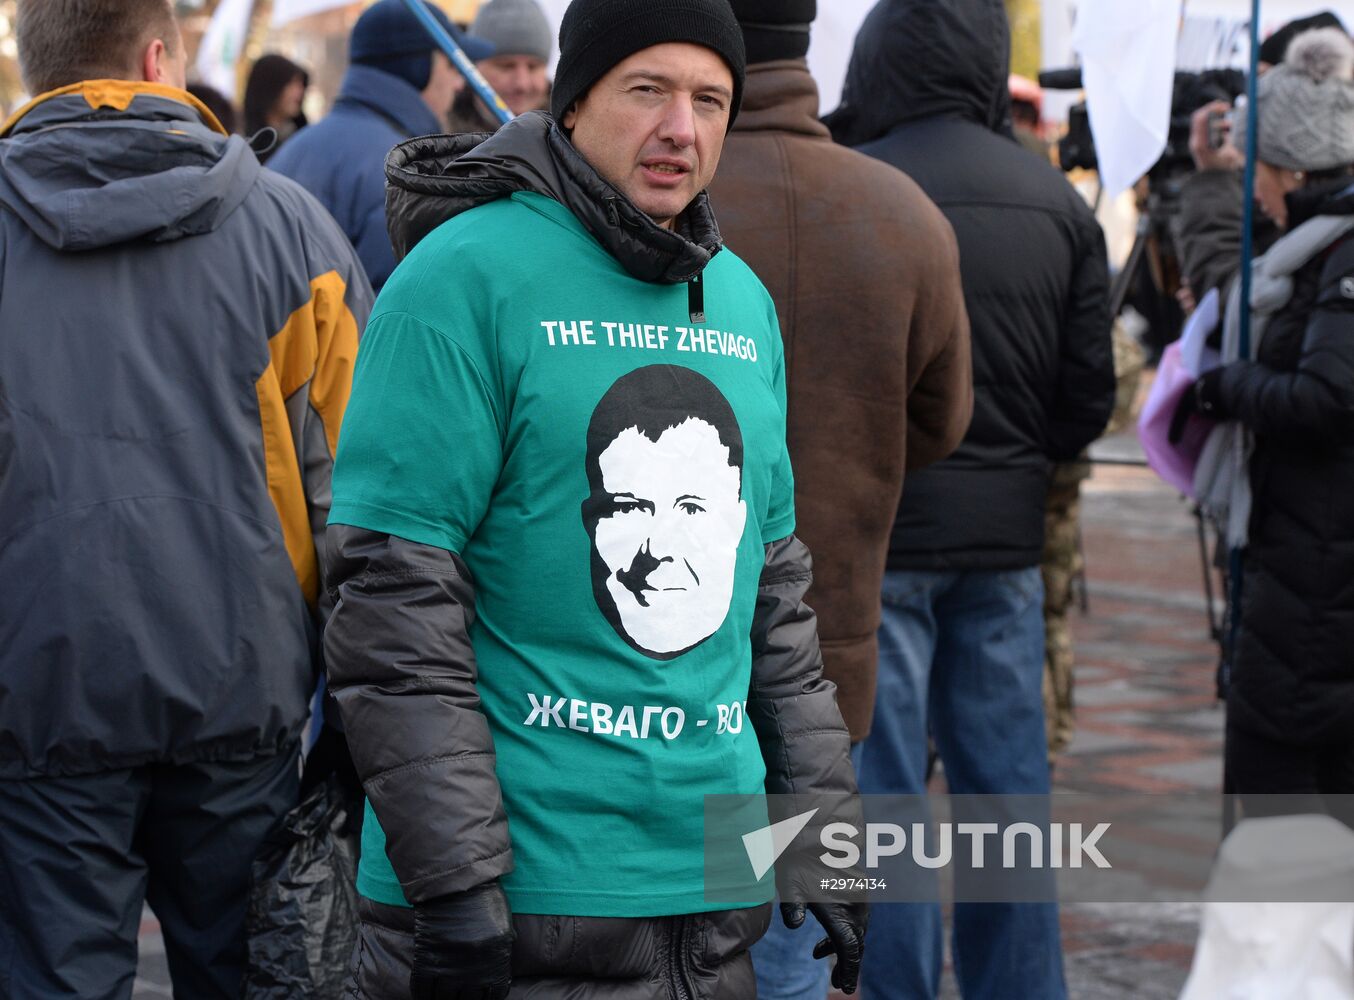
[(597, 34), (390, 37), (775, 29)]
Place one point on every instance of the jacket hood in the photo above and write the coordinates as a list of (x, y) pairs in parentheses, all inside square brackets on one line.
[(105, 162), (390, 96), (923, 59), (436, 178), (1330, 197), (781, 96)]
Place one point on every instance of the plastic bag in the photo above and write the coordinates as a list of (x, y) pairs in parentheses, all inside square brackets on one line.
[(1182, 363), (302, 920), (1172, 462), (1278, 950)]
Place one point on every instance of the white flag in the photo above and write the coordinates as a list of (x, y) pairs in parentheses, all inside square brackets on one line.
[(289, 10), (1128, 66), (219, 54)]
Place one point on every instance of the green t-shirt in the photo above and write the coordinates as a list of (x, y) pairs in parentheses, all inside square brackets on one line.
[(610, 472)]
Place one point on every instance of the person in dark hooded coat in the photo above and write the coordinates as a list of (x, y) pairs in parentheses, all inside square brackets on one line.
[(397, 86), (962, 638)]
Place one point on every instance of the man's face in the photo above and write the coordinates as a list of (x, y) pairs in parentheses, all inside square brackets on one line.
[(519, 80), (444, 83), (654, 126), (670, 522)]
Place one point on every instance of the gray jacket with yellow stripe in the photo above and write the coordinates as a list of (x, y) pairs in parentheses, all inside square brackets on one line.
[(177, 333)]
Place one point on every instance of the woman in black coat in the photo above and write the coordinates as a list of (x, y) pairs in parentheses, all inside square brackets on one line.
[(1290, 720)]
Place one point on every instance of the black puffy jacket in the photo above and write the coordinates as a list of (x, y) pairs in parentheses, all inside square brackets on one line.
[(1293, 672), (927, 92), (696, 956)]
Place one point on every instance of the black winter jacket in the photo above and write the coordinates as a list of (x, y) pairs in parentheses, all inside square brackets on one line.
[(926, 92), (400, 660), (1293, 672)]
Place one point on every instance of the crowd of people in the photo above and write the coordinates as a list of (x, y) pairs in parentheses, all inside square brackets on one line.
[(676, 399)]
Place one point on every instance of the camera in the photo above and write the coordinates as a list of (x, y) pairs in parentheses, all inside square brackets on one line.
[(1219, 128), (1151, 276), (1191, 91)]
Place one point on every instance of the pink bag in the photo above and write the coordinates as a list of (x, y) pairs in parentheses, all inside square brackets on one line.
[(1172, 462)]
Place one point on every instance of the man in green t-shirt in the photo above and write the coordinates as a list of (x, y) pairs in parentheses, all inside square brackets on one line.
[(569, 598)]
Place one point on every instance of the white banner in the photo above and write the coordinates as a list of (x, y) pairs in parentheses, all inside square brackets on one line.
[(1273, 13), (1213, 33), (218, 57), (1213, 43), (285, 11), (834, 33), (1217, 34)]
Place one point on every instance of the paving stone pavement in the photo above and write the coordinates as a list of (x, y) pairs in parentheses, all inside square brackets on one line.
[(1148, 721), (152, 971), (1148, 718)]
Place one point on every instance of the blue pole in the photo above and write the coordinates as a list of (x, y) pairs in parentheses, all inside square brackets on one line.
[(1235, 561), (1248, 195), (460, 60)]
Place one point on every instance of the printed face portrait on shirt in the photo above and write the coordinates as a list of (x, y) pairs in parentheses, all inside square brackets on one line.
[(665, 510)]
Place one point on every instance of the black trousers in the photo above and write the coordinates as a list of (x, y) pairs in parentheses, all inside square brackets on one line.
[(1287, 779), (79, 855)]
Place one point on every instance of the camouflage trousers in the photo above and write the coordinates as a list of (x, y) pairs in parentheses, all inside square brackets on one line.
[(1061, 566), (1063, 563)]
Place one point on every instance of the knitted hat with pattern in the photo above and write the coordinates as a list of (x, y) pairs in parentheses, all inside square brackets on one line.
[(1305, 106)]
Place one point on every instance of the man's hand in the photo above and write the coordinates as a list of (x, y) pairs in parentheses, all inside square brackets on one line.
[(845, 924), (1184, 295), (463, 946), (1206, 157)]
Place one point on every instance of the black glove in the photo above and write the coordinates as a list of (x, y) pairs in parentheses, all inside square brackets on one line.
[(845, 924), (463, 946), (1204, 397), (1208, 389)]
